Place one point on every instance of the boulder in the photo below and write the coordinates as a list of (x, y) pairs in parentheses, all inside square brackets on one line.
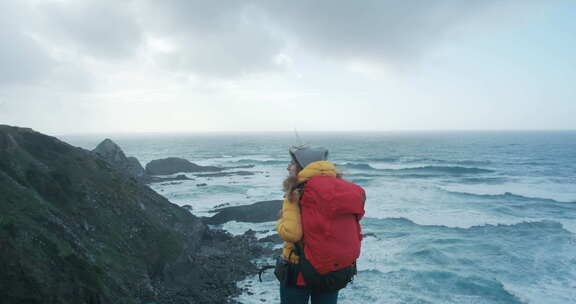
[(173, 165), (266, 211), (111, 152)]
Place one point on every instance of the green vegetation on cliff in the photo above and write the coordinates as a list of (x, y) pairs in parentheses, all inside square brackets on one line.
[(73, 229)]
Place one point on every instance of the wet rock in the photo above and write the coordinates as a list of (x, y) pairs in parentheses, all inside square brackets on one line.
[(259, 212), (171, 165), (274, 238), (221, 206), (209, 276)]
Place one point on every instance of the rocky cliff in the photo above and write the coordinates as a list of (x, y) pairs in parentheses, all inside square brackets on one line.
[(75, 229)]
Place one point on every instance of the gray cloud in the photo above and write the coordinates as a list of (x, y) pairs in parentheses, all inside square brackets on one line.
[(227, 38), (370, 29), (216, 38), (192, 15), (22, 59), (75, 60), (31, 31), (231, 54), (103, 28), (223, 38)]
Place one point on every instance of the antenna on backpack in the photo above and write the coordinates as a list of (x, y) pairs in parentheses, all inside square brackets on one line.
[(300, 142)]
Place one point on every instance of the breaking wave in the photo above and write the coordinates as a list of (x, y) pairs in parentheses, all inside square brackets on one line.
[(357, 166), (260, 162), (507, 196), (423, 169), (445, 169)]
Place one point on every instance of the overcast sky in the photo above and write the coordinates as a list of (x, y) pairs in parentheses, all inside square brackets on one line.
[(72, 66)]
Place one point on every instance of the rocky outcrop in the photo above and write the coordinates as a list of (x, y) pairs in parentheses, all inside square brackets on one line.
[(259, 212), (75, 229), (113, 154), (173, 165), (135, 168)]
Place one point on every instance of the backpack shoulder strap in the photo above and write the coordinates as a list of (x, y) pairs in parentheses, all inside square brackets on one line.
[(299, 248)]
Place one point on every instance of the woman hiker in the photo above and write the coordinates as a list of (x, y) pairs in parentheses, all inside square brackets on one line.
[(319, 223)]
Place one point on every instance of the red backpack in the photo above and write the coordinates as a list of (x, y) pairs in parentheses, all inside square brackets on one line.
[(331, 209)]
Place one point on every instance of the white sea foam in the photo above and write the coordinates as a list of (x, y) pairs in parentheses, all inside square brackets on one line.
[(396, 166), (230, 190), (238, 228), (549, 291), (256, 292), (426, 204), (390, 269)]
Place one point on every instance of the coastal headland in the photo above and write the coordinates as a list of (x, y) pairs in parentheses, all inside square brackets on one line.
[(79, 226)]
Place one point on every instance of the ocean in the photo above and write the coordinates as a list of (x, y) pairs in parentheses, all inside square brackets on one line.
[(451, 217)]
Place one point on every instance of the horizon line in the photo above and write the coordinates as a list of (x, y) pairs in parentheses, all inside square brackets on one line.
[(191, 132)]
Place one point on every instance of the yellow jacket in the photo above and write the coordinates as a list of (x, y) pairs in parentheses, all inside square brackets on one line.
[(289, 226)]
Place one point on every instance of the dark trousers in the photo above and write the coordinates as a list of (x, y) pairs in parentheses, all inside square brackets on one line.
[(290, 294)]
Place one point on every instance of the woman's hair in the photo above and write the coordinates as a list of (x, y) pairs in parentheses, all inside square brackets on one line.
[(290, 186), (290, 183)]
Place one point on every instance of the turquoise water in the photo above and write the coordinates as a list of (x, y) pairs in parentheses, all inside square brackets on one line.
[(451, 217)]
